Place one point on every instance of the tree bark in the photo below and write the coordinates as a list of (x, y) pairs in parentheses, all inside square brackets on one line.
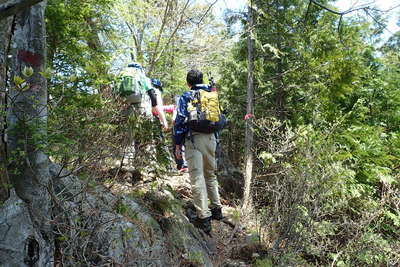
[(278, 82), (249, 138), (5, 31), (280, 88), (137, 36), (27, 118), (12, 7)]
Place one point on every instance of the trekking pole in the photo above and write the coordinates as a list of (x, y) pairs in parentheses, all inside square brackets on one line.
[(211, 80)]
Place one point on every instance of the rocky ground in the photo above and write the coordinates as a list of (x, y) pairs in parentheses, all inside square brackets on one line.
[(231, 243), (126, 218)]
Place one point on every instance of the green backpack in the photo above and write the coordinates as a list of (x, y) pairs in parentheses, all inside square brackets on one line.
[(132, 85)]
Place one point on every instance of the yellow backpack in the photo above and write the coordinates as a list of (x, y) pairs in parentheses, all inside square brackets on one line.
[(205, 114)]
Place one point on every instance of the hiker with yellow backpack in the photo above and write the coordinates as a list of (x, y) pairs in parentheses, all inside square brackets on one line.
[(198, 118)]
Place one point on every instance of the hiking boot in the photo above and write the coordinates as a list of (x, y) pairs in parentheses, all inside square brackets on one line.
[(216, 214), (204, 224)]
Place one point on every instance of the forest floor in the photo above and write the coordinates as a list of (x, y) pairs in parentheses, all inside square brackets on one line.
[(232, 244)]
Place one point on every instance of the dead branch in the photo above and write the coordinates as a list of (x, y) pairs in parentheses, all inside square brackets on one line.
[(208, 10), (365, 8)]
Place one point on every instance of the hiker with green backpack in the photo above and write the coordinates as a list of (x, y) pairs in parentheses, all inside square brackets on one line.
[(198, 118), (139, 91)]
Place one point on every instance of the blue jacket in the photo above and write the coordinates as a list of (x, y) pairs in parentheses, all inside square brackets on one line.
[(180, 127)]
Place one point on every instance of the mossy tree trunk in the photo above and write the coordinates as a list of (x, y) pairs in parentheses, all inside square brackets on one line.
[(5, 30), (28, 166)]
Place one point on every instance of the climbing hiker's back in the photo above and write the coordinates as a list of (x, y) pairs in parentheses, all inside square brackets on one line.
[(133, 86)]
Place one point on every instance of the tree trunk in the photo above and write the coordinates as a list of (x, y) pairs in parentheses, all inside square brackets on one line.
[(278, 82), (10, 7), (5, 31), (280, 87), (27, 118), (249, 138)]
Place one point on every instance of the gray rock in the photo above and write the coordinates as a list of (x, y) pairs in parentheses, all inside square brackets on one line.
[(104, 228), (234, 263), (20, 243)]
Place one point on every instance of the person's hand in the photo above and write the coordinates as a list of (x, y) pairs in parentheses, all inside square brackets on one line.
[(178, 152), (165, 125), (166, 129)]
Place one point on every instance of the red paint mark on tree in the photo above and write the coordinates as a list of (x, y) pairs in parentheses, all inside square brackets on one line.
[(248, 116), (30, 58)]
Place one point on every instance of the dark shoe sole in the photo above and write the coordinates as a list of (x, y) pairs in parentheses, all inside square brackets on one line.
[(216, 214)]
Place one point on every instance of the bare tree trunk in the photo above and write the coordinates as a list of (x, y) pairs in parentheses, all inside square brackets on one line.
[(278, 82), (137, 35), (280, 87), (27, 118), (5, 31), (249, 138)]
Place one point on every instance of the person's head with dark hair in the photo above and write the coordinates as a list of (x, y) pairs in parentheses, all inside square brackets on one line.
[(135, 65), (194, 77)]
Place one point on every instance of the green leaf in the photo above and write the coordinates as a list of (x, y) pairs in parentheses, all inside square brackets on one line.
[(273, 50), (394, 217), (267, 157), (47, 73), (73, 78), (18, 80), (386, 178), (28, 71)]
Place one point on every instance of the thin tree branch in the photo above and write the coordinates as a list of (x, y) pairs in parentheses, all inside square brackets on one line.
[(164, 21), (137, 38), (208, 10), (306, 15), (364, 8), (133, 34), (382, 25), (173, 33), (334, 11), (385, 11)]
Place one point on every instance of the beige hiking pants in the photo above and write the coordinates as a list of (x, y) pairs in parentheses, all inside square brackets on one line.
[(200, 156)]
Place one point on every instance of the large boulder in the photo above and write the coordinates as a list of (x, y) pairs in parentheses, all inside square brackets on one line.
[(21, 244), (96, 227)]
